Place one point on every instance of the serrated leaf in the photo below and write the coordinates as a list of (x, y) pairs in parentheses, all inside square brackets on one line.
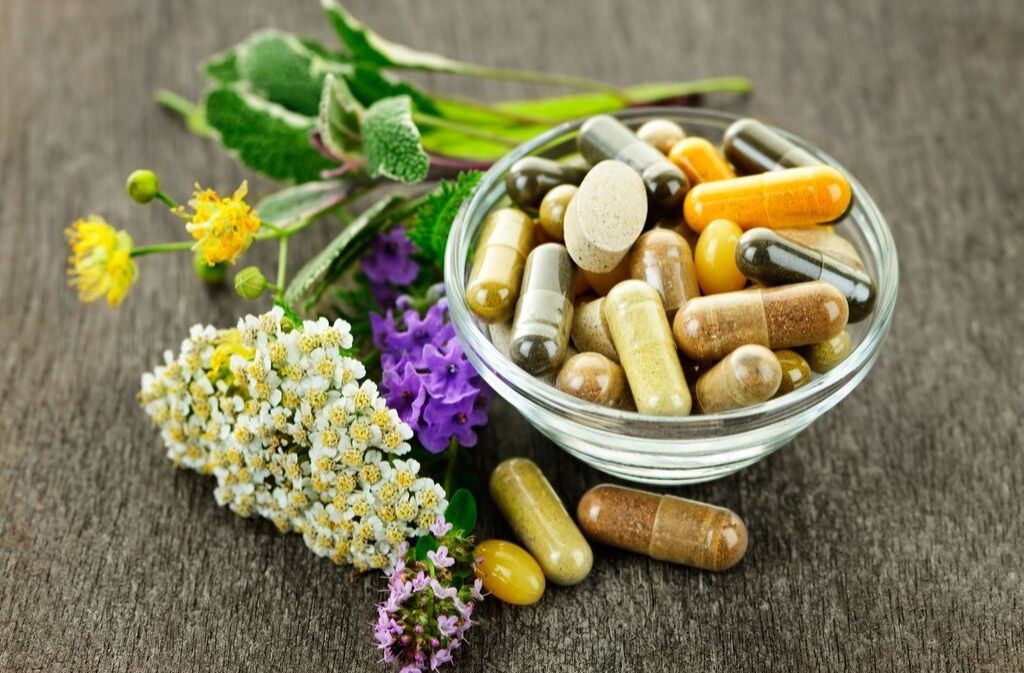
[(279, 67), (391, 141), (310, 200), (425, 544), (433, 221), (461, 512), (338, 122), (309, 282), (266, 137)]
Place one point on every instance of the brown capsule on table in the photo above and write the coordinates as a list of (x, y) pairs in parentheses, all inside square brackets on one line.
[(498, 266), (590, 331), (602, 283), (709, 328), (531, 178), (700, 160), (594, 378), (749, 375), (664, 527), (606, 216), (753, 147), (663, 259), (661, 134), (763, 255), (552, 210), (540, 328), (826, 355), (604, 137), (824, 239), (796, 373)]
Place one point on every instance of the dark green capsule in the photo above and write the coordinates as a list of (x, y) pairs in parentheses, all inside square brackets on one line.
[(753, 147), (540, 328), (531, 178), (604, 137), (766, 257)]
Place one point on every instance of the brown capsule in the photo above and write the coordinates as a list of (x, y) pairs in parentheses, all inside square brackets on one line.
[(749, 375), (796, 373), (709, 328), (594, 378), (590, 331), (663, 259), (824, 356), (552, 210), (602, 283), (664, 527)]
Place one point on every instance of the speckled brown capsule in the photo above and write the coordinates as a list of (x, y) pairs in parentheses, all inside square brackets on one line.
[(531, 178), (796, 373), (664, 527), (663, 259), (824, 356), (749, 375), (709, 328), (594, 378), (540, 328)]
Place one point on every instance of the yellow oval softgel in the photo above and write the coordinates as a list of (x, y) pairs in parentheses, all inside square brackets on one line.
[(497, 273), (508, 572), (715, 258)]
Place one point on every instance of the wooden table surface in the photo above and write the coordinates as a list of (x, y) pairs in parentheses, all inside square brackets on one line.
[(885, 538)]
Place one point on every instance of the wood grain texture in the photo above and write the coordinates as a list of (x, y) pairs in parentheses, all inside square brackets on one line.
[(885, 538)]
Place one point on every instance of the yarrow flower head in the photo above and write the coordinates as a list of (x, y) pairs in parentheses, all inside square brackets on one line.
[(278, 413), (100, 264), (223, 227)]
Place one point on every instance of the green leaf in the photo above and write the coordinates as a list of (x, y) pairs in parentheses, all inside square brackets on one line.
[(433, 221), (319, 272), (266, 137), (425, 544), (291, 205), (280, 68), (338, 122), (391, 141), (370, 85), (223, 67), (459, 577), (461, 512)]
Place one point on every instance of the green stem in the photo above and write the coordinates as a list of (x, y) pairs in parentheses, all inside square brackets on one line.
[(452, 454), (171, 203), (175, 103), (282, 265), (556, 79), (423, 119), (143, 250)]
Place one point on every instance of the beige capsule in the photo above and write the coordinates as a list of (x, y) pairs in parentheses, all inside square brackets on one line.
[(531, 506), (749, 375), (639, 328), (663, 259), (552, 211), (497, 272), (606, 216), (590, 330), (594, 378), (826, 355), (662, 134)]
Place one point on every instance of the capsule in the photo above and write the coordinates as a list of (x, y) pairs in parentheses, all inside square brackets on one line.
[(602, 283), (794, 197), (531, 506), (753, 147), (636, 320), (661, 134), (824, 356), (540, 329), (590, 330), (594, 378), (662, 259), (749, 375), (508, 572), (700, 161), (765, 256), (824, 239), (715, 258), (664, 527), (796, 373), (709, 328), (603, 137), (531, 178), (498, 266), (552, 210), (606, 216)]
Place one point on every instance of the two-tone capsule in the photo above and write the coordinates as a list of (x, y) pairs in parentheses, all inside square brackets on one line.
[(543, 318), (594, 378), (753, 147), (604, 137), (700, 160), (764, 256), (824, 239), (494, 282), (664, 527), (749, 375), (662, 259), (531, 178), (794, 197), (636, 319), (709, 328), (531, 506)]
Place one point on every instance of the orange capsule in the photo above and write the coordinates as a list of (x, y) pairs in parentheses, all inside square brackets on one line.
[(700, 160), (795, 197)]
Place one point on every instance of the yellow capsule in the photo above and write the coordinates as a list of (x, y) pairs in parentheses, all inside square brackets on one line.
[(639, 328), (824, 356), (700, 160), (508, 572), (794, 197), (715, 258), (532, 508), (498, 267), (796, 373), (552, 211)]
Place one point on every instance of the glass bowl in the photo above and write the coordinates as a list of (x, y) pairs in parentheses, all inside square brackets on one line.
[(658, 449)]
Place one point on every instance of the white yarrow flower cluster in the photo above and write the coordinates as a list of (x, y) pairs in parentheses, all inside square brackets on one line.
[(282, 418)]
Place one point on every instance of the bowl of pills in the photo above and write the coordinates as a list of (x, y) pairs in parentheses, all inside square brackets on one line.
[(670, 294)]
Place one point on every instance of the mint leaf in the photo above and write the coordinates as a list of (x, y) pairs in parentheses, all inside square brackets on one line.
[(291, 205), (461, 512), (338, 122), (391, 141), (266, 137), (433, 221), (223, 67), (280, 68)]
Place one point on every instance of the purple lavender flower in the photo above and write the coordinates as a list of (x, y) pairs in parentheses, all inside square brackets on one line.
[(403, 389), (447, 419), (381, 327), (449, 372), (390, 259)]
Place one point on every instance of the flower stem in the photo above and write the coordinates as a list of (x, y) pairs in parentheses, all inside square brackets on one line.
[(156, 248), (423, 119), (282, 265), (175, 103), (452, 454), (171, 203)]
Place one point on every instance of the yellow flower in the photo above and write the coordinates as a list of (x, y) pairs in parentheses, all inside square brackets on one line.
[(223, 227), (100, 263)]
